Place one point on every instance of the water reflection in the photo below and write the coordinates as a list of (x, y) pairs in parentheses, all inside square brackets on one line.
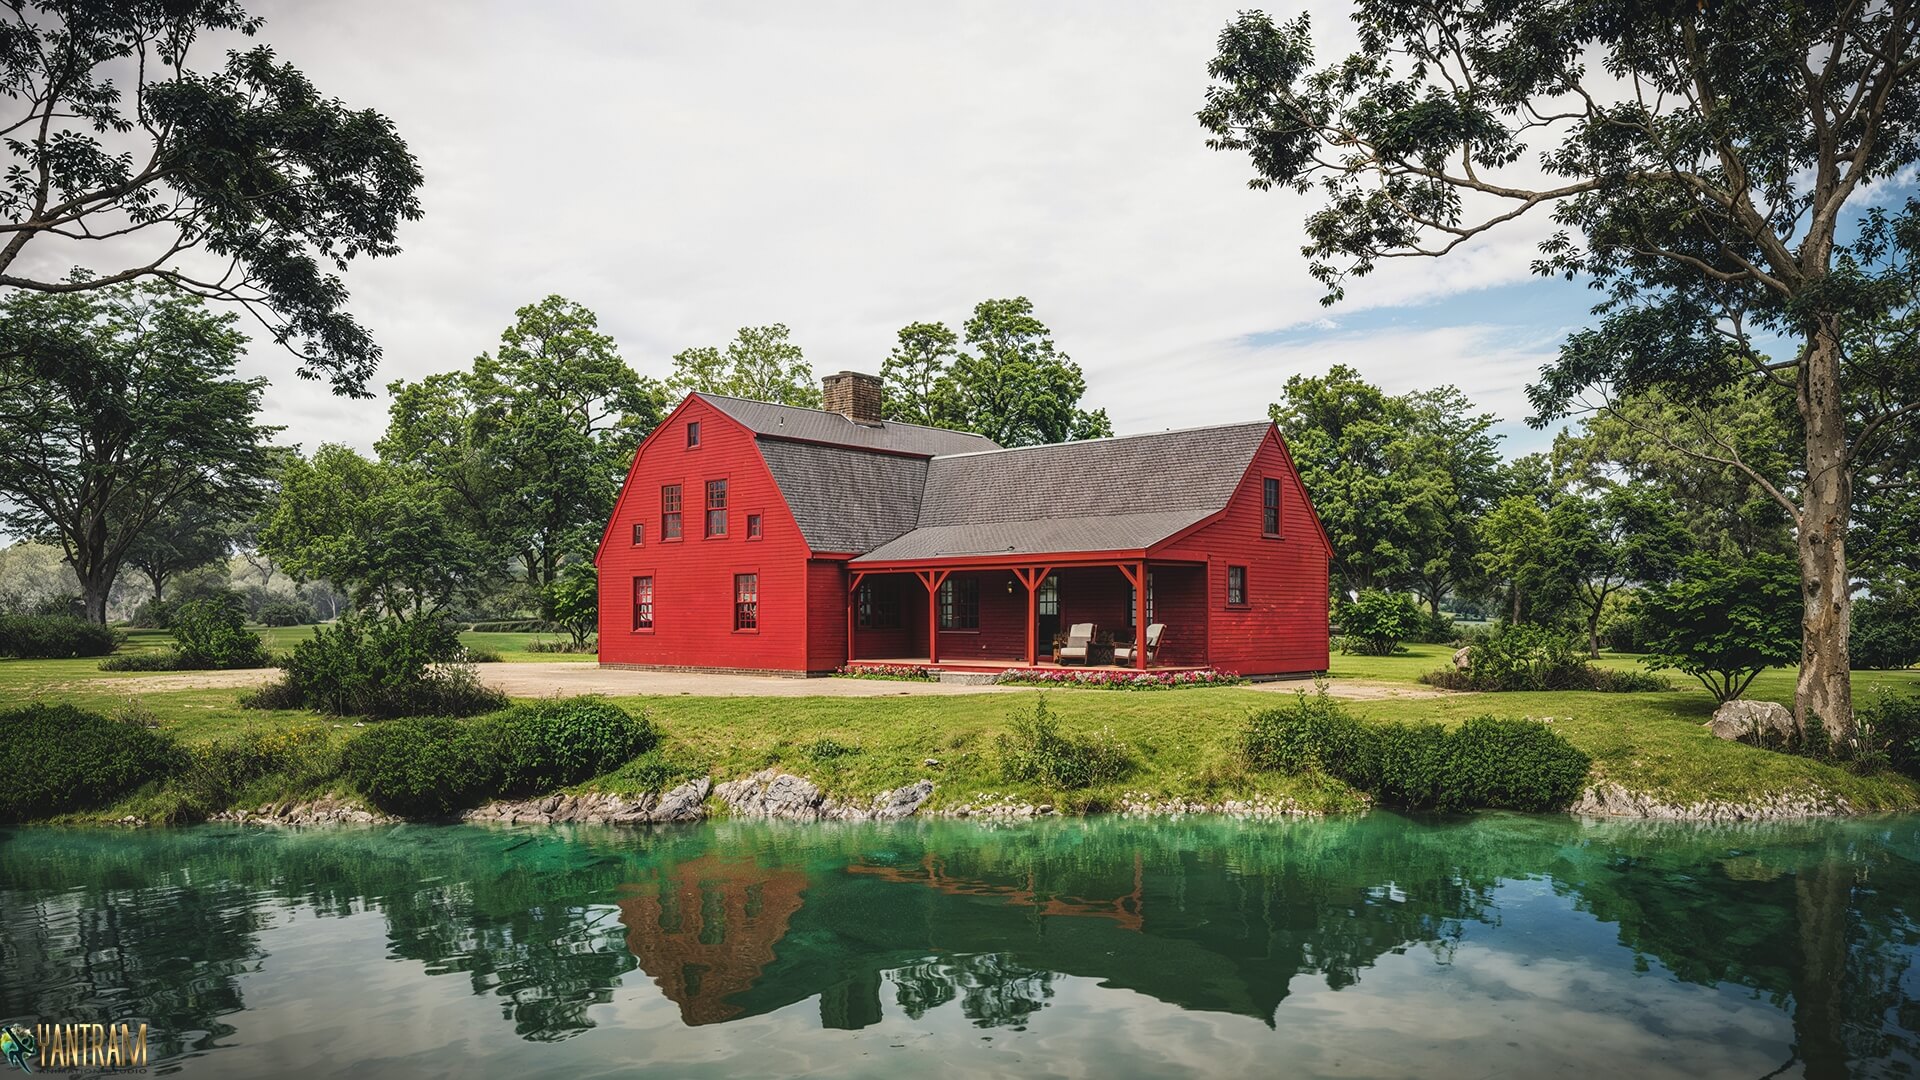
[(896, 927)]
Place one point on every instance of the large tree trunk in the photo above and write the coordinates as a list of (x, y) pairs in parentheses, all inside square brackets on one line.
[(1824, 691), (1593, 632), (95, 592)]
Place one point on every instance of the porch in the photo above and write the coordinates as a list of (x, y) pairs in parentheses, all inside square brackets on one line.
[(983, 617)]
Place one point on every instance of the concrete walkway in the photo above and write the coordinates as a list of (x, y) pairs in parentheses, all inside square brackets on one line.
[(532, 680)]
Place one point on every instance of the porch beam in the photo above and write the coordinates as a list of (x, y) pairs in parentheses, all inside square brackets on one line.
[(932, 580), (853, 591), (1140, 619)]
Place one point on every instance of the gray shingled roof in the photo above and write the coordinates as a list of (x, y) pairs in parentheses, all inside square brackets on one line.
[(817, 425), (1098, 495), (846, 500)]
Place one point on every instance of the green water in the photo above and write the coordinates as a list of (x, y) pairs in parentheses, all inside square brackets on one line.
[(1375, 946)]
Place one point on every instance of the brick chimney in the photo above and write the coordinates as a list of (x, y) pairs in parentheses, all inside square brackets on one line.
[(852, 395)]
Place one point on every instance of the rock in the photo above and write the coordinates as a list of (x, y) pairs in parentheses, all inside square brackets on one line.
[(901, 801), (1463, 658), (1742, 717), (683, 803)]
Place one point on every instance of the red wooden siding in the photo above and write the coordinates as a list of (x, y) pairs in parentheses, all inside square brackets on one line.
[(826, 614), (1282, 629), (693, 576)]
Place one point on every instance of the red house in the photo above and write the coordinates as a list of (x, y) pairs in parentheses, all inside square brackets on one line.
[(766, 538)]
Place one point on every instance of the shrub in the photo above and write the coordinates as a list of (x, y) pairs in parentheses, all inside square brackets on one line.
[(1886, 633), (281, 611), (1889, 730), (154, 614), (144, 660), (1510, 764), (659, 770), (515, 626), (381, 667), (218, 773), (1035, 751), (828, 749), (550, 744), (54, 637), (1436, 628), (211, 633), (418, 767), (590, 644), (1526, 657), (70, 759), (1376, 622), (1115, 680), (900, 672), (1486, 762), (1724, 621)]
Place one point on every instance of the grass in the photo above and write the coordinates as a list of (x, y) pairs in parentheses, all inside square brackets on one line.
[(1182, 743)]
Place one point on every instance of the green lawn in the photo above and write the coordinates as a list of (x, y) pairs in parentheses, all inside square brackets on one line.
[(1182, 741)]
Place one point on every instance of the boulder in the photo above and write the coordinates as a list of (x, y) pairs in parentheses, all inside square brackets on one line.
[(901, 801), (683, 803), (1463, 658), (1742, 717)]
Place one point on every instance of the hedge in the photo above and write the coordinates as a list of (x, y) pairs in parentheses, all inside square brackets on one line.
[(66, 758)]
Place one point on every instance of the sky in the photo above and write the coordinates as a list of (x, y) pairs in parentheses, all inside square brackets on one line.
[(688, 169)]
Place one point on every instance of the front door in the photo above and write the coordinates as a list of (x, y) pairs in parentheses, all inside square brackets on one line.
[(1046, 613)]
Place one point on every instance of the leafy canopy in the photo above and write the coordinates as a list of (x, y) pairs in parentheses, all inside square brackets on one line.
[(1724, 621), (240, 181), (759, 363)]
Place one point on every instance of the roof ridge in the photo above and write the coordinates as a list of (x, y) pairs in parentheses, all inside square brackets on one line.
[(830, 412), (1108, 438)]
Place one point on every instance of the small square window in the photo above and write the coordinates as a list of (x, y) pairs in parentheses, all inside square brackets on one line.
[(753, 526), (1236, 584), (693, 434), (639, 533)]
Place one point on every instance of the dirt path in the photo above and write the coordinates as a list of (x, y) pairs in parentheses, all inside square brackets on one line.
[(531, 680)]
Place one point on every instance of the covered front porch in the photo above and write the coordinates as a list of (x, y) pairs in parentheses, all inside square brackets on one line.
[(989, 617)]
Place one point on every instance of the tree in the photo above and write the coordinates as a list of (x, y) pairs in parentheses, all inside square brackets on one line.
[(919, 389), (1600, 545), (1709, 160), (240, 182), (116, 406), (381, 531), (1723, 621), (1344, 432), (1510, 539), (759, 363), (1013, 386), (1453, 464), (575, 600), (187, 535), (1375, 622)]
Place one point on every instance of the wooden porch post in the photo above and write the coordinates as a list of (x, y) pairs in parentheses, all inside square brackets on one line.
[(1140, 620), (932, 580), (853, 591)]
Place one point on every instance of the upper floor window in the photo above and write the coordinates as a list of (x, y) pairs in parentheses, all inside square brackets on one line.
[(716, 508), (878, 605), (639, 533), (746, 601), (693, 434), (1270, 508), (1236, 584), (960, 604), (753, 526), (670, 512), (643, 603)]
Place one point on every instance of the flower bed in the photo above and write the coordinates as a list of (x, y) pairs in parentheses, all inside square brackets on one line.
[(1117, 680), (896, 672)]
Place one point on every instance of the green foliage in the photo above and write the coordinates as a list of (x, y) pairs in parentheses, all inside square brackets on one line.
[(385, 532), (1484, 763), (418, 767), (216, 774), (548, 744), (1886, 633), (431, 767), (211, 633), (1724, 621), (116, 406), (827, 748), (1010, 384), (1375, 622), (66, 758), (285, 612), (49, 637), (187, 534), (574, 598), (759, 363), (380, 667), (1889, 731), (1534, 658), (1036, 751)]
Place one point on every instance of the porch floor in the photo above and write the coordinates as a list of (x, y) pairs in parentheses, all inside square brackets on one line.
[(999, 664)]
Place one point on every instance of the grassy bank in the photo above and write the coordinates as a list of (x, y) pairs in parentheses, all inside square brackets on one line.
[(1181, 742)]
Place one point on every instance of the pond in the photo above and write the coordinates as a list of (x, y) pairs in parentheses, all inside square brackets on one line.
[(1366, 946)]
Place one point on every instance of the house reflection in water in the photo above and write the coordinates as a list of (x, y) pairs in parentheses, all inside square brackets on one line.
[(706, 930)]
